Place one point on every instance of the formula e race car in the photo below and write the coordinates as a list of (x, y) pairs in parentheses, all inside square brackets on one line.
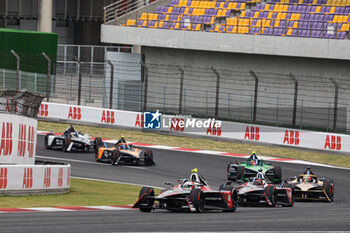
[(309, 187), (125, 153), (70, 140), (259, 191), (193, 195), (249, 169)]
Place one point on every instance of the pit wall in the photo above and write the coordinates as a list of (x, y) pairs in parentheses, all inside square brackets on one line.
[(21, 179), (18, 139), (228, 130)]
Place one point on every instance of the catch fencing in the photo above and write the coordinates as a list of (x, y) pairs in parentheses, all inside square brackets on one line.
[(284, 100)]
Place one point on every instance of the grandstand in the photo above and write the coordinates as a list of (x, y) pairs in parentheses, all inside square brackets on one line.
[(296, 18)]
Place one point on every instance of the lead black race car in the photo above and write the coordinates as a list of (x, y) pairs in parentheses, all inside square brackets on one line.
[(70, 140)]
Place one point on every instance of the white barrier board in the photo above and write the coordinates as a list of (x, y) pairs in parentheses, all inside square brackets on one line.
[(229, 130), (18, 139), (34, 177)]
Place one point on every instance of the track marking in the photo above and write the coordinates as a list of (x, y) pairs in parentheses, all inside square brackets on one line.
[(82, 161), (71, 160), (115, 182)]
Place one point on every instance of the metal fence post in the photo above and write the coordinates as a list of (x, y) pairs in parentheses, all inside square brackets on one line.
[(217, 91), (181, 86), (17, 67), (336, 93), (48, 76), (80, 79), (295, 98), (255, 94), (145, 81), (111, 84)]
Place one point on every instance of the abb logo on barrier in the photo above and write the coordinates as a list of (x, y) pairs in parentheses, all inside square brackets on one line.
[(214, 131), (60, 177), (176, 125), (3, 178), (6, 139), (47, 177), (139, 121), (22, 142), (252, 133), (44, 110), (68, 176), (291, 137), (27, 178), (332, 142), (74, 113), (108, 117)]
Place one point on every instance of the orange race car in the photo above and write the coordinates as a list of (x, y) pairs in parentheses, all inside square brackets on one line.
[(122, 153)]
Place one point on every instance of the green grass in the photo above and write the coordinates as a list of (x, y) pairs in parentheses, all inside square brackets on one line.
[(81, 193), (205, 144)]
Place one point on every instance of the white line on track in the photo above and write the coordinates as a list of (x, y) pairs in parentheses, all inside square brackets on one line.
[(82, 161), (71, 160), (115, 182)]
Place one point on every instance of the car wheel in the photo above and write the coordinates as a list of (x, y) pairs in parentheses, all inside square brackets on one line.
[(291, 202), (46, 141), (97, 142), (277, 174), (270, 193), (66, 143), (147, 204), (96, 153), (115, 157), (233, 197), (240, 172), (198, 199), (149, 157), (328, 187), (228, 172)]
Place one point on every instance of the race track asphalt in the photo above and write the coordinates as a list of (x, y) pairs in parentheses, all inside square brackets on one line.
[(172, 165)]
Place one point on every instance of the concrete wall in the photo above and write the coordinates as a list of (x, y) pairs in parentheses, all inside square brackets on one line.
[(225, 42)]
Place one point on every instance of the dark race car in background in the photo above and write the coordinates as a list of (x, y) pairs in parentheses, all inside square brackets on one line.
[(251, 167), (193, 195), (70, 140), (259, 191), (309, 187), (122, 153)]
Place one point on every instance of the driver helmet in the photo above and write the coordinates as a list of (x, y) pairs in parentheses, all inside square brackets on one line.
[(122, 137), (307, 179), (257, 181)]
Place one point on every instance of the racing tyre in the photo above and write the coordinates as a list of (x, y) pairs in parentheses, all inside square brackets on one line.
[(328, 187), (66, 143), (147, 203), (198, 199), (97, 142), (270, 193), (240, 172), (115, 157), (233, 198), (291, 203), (277, 174), (228, 172), (46, 141), (149, 157)]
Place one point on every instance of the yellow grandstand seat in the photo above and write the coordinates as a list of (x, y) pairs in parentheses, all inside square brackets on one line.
[(277, 23), (289, 32), (144, 16), (243, 13), (256, 14), (170, 9), (222, 4), (332, 10), (267, 7), (284, 15), (314, 2), (242, 6), (269, 16), (131, 22), (295, 24), (345, 27), (318, 9)]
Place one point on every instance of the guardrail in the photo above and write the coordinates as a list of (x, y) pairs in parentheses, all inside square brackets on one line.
[(119, 8)]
